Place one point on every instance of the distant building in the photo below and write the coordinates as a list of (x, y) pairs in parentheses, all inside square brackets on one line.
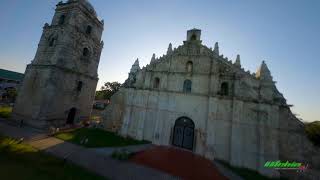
[(60, 82), (9, 80)]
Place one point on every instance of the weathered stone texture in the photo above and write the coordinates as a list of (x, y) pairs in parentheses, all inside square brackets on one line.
[(246, 124), (63, 74)]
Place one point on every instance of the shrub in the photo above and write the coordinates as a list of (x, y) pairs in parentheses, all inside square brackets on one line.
[(5, 111), (122, 154)]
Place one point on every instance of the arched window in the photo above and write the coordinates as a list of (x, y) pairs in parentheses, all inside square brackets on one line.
[(89, 29), (52, 42), (156, 83), (61, 19), (189, 66), (71, 115), (187, 86), (86, 52), (193, 37), (79, 86), (224, 89)]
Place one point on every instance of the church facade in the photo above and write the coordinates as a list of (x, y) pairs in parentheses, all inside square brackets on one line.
[(196, 99), (60, 82)]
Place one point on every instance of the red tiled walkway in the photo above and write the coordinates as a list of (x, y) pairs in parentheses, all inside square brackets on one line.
[(178, 162)]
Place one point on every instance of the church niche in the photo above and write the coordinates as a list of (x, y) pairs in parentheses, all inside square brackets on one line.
[(189, 66)]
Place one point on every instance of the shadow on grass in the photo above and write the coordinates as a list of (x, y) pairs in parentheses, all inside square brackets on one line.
[(90, 137), (20, 161)]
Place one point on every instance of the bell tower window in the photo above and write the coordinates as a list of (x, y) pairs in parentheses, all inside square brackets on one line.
[(85, 52), (193, 37), (52, 42), (62, 19), (79, 86), (88, 30)]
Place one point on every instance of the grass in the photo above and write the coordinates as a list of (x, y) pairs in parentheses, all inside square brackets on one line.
[(21, 161), (97, 138), (5, 111), (246, 173)]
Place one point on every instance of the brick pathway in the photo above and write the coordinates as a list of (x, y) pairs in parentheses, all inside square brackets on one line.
[(179, 162)]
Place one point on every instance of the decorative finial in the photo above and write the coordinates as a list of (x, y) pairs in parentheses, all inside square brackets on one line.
[(238, 62), (216, 48), (45, 25), (153, 59), (169, 51), (135, 67), (263, 73)]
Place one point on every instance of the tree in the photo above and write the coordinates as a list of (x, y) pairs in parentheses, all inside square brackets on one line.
[(313, 132), (107, 90), (112, 86), (11, 94)]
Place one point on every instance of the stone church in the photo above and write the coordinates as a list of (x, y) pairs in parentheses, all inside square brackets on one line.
[(60, 82), (196, 99)]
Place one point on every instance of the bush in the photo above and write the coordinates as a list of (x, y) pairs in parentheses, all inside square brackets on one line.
[(5, 111), (313, 132), (122, 154)]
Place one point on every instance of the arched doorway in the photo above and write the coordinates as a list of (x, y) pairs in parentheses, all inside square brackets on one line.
[(71, 115), (183, 133)]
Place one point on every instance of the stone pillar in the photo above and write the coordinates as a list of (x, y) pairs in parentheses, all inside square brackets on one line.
[(236, 144), (126, 121)]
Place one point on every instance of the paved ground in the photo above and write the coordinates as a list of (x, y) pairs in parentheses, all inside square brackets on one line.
[(134, 148), (88, 158), (179, 162), (173, 163)]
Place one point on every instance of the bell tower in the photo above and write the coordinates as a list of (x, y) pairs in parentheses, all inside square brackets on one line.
[(193, 35), (60, 82)]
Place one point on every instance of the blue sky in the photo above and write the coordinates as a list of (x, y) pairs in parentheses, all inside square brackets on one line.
[(286, 34)]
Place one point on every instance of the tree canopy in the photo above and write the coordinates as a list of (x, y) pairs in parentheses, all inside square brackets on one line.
[(107, 90), (313, 132)]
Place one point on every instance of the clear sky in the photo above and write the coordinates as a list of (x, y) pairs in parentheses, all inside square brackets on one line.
[(284, 33)]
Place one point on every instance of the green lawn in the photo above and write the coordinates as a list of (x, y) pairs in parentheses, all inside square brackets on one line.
[(247, 173), (5, 111), (97, 138), (23, 162)]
